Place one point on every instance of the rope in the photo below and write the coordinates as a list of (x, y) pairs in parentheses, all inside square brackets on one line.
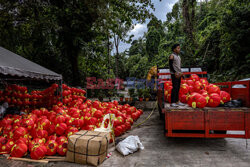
[(147, 117)]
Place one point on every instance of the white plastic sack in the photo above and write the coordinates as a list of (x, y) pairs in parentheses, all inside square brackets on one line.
[(129, 145)]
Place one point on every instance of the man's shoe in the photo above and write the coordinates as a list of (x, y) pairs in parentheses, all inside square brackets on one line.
[(180, 104), (173, 105)]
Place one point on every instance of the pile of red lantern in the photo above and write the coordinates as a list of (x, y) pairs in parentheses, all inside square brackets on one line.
[(19, 96), (45, 131), (197, 93)]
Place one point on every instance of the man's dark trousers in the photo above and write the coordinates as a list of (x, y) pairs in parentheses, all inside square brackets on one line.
[(176, 82)]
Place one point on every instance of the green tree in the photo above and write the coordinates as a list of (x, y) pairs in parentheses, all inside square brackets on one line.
[(63, 32), (153, 39), (137, 47)]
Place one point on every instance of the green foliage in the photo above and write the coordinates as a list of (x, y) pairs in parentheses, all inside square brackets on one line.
[(131, 92), (220, 31), (223, 37), (69, 37), (140, 92), (137, 47), (146, 93), (153, 40), (75, 38)]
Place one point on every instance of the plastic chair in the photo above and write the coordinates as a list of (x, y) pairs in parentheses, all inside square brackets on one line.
[(109, 129)]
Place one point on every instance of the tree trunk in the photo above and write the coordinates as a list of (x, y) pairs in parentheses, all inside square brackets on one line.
[(108, 56), (75, 71), (193, 5), (116, 41), (189, 18), (116, 65), (185, 13), (72, 54)]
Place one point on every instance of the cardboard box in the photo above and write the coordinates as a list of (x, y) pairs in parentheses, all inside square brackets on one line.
[(88, 147)]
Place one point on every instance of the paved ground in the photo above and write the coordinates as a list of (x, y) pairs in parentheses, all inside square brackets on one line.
[(161, 151)]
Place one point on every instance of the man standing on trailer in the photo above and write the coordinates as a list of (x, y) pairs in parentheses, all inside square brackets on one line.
[(176, 74)]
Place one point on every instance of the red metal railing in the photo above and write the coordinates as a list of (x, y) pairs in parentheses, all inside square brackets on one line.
[(237, 93), (185, 73)]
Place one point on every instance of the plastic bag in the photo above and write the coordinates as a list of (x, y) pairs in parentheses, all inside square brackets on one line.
[(3, 108), (234, 103), (129, 145)]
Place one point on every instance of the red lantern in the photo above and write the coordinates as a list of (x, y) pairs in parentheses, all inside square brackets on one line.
[(44, 124), (168, 98), (59, 119), (83, 106), (19, 150), (96, 104), (214, 100), (197, 86), (51, 129), (61, 139), (71, 130), (183, 98), (28, 123), (69, 121), (20, 132), (10, 134), (32, 116), (128, 125), (167, 84), (184, 89), (78, 123), (130, 120), (194, 77), (38, 151), (52, 137), (203, 91), (62, 148), (92, 121), (225, 97), (3, 141), (16, 123), (168, 90), (34, 142), (213, 89), (60, 129), (7, 128), (41, 134), (89, 127), (118, 131), (190, 82), (6, 121), (60, 111), (8, 146), (98, 114), (129, 110), (44, 111), (24, 140), (192, 98), (37, 112), (51, 146), (52, 116), (204, 81), (183, 81), (191, 89), (134, 116), (201, 102)]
